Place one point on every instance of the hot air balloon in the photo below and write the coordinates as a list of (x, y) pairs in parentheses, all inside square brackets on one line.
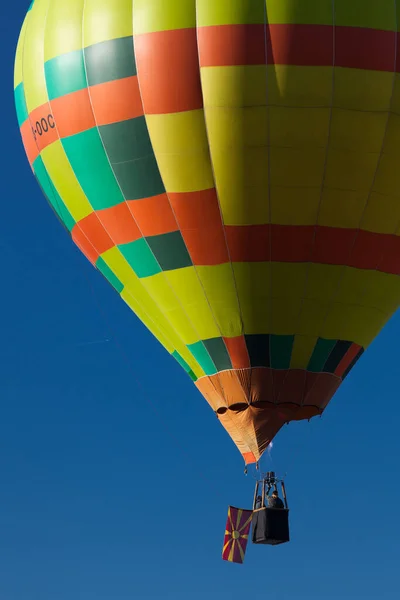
[(231, 167)]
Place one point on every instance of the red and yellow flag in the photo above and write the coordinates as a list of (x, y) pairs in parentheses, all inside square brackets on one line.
[(236, 534)]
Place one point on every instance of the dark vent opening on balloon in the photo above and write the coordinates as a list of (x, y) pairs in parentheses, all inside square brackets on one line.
[(239, 406)]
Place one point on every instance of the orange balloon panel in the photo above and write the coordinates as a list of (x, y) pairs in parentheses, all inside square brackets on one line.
[(232, 169)]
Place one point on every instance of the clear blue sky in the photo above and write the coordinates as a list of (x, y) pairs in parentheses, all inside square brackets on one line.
[(105, 491)]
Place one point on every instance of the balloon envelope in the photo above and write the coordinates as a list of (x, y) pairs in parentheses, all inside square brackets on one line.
[(232, 168)]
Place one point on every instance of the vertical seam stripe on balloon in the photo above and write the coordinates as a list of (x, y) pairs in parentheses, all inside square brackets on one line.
[(388, 247), (312, 245), (345, 267)]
